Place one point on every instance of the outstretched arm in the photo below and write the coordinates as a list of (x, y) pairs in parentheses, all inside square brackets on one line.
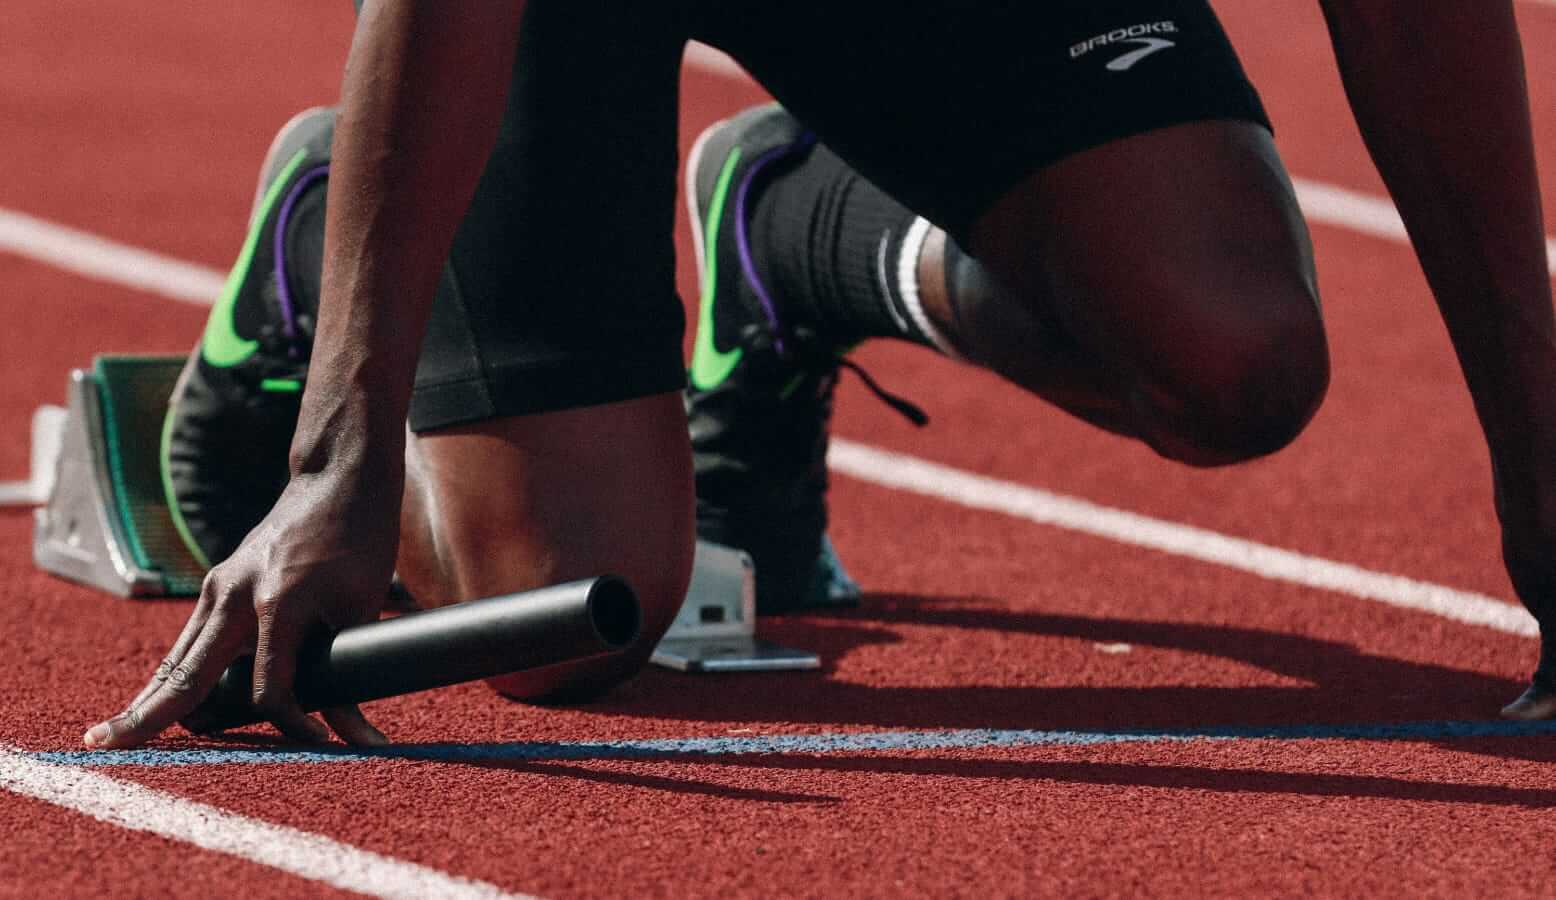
[(1438, 91), (421, 103), (422, 99)]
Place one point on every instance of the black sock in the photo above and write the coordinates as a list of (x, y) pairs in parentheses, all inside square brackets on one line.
[(840, 255)]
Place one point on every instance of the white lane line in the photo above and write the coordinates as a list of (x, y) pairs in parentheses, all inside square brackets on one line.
[(19, 493), (105, 260), (1331, 205), (906, 473), (309, 856), (1322, 203), (1326, 204)]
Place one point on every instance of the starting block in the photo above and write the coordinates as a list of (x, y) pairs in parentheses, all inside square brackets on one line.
[(715, 631), (106, 523), (104, 520)]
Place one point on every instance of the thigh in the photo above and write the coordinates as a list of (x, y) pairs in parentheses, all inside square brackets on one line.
[(1106, 162), (560, 289), (1178, 257)]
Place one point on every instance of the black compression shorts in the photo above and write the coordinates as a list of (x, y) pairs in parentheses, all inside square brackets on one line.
[(560, 291)]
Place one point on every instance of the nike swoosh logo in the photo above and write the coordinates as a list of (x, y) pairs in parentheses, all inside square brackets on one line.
[(710, 366), (222, 346), (1126, 62)]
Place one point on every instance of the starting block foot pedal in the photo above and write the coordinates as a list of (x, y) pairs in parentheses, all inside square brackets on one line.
[(106, 523)]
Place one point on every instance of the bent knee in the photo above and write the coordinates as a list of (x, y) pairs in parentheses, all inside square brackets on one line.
[(661, 591), (1251, 390)]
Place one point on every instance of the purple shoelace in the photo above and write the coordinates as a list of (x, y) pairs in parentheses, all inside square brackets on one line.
[(742, 229), (283, 289)]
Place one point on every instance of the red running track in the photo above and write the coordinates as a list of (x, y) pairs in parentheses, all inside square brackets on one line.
[(145, 124)]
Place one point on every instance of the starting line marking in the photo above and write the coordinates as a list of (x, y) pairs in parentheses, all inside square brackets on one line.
[(692, 749), (310, 856)]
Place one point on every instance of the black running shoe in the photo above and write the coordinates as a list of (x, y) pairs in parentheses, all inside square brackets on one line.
[(761, 386), (233, 411)]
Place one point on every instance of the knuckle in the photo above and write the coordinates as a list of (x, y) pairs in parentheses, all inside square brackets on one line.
[(181, 678), (225, 590), (130, 720), (164, 668), (267, 606), (214, 585)]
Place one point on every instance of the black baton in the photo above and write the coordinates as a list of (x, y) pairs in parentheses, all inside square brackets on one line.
[(439, 647)]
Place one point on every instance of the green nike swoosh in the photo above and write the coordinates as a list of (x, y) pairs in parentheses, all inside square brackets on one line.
[(710, 366), (222, 346)]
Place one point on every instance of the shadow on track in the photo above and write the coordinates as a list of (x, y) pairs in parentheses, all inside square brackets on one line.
[(1176, 777), (1342, 684)]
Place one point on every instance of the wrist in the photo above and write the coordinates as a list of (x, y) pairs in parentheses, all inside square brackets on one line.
[(347, 434)]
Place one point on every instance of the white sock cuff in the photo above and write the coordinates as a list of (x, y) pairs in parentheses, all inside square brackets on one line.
[(907, 287)]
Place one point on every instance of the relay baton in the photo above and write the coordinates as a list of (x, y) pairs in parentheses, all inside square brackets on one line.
[(452, 644)]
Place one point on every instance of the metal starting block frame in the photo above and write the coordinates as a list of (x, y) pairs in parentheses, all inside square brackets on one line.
[(105, 523), (715, 631)]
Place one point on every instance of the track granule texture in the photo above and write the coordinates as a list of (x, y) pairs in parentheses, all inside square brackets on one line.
[(973, 620)]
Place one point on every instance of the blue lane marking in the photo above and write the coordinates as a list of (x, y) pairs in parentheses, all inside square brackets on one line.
[(867, 742)]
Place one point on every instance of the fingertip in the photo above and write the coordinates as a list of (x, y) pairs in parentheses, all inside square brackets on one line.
[(354, 728), (301, 727), (372, 737), (97, 735), (1533, 705), (369, 735), (318, 733)]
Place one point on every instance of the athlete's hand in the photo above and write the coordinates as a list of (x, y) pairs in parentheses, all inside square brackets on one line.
[(322, 559)]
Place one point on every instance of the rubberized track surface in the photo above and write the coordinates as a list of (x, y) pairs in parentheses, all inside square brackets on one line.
[(1018, 708)]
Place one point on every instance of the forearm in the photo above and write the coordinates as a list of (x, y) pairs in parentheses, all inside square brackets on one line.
[(421, 102), (1438, 91)]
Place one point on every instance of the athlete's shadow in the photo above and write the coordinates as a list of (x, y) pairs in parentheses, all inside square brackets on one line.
[(1329, 683), (1320, 682), (1231, 780), (1337, 683)]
